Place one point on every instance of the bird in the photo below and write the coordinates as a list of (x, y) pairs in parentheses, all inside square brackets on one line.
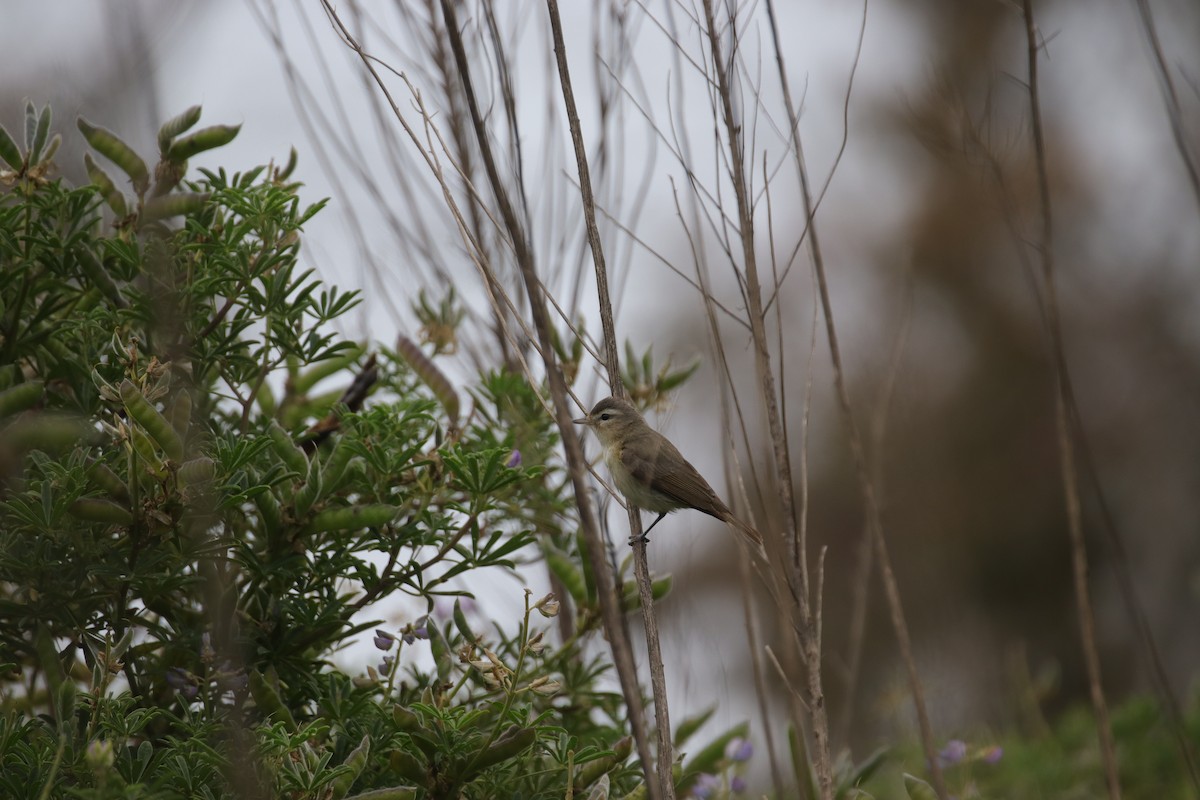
[(650, 471)]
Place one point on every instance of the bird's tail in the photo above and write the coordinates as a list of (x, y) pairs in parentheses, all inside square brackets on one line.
[(752, 536)]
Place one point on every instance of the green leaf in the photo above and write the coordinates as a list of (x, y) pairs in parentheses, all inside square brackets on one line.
[(9, 150), (568, 574), (686, 729), (39, 136), (706, 760), (861, 772), (918, 789), (31, 120)]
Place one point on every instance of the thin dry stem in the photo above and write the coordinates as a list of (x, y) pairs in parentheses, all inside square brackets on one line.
[(641, 568), (736, 159), (874, 520), (576, 463), (865, 566), (1066, 447), (1170, 98)]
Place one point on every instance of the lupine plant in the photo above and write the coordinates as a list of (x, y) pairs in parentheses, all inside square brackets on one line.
[(205, 493)]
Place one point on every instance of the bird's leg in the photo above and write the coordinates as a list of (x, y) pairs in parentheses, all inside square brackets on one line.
[(635, 539)]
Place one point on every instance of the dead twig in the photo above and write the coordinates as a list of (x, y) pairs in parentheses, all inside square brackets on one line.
[(1066, 446)]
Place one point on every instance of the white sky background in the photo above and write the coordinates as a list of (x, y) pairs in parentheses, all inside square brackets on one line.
[(1097, 88)]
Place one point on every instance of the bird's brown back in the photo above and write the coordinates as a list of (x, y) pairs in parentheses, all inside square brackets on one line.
[(668, 472)]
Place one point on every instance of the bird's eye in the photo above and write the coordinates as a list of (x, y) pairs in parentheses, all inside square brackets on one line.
[(606, 416)]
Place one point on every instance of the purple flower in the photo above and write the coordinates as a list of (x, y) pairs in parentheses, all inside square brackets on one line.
[(386, 664), (183, 682), (230, 680), (419, 631), (992, 755), (737, 784), (514, 460), (739, 749), (706, 786), (954, 752), (383, 640)]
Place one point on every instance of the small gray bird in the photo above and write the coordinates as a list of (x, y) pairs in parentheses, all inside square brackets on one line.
[(650, 471)]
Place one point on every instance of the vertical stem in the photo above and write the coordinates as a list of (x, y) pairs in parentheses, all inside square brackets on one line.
[(808, 627), (641, 567), (874, 521), (576, 464), (1070, 478)]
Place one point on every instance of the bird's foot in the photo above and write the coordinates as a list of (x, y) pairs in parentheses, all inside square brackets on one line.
[(644, 539)]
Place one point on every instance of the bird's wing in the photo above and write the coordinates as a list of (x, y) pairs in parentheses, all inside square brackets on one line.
[(683, 483)]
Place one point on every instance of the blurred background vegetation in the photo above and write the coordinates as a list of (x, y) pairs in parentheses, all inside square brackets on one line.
[(931, 203)]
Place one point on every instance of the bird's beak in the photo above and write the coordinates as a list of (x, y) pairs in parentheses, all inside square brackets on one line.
[(581, 421)]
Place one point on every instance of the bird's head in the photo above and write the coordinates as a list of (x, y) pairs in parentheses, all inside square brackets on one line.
[(612, 420)]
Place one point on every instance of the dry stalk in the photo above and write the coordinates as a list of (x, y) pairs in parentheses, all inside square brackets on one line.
[(1066, 446), (808, 628), (874, 520), (658, 680), (576, 463), (866, 552), (1170, 97)]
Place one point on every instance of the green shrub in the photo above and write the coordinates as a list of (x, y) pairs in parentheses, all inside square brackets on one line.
[(205, 491)]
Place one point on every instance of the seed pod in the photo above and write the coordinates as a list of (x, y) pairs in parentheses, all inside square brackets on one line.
[(173, 205), (409, 767), (509, 745), (293, 457), (151, 420), (268, 701), (335, 466), (460, 622), (432, 377), (352, 517), (94, 509), (175, 126), (109, 145), (201, 140), (109, 481), (181, 412), (147, 453), (104, 183), (50, 432), (591, 772), (198, 470), (268, 512), (405, 720), (20, 397), (310, 491), (95, 272), (355, 761)]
